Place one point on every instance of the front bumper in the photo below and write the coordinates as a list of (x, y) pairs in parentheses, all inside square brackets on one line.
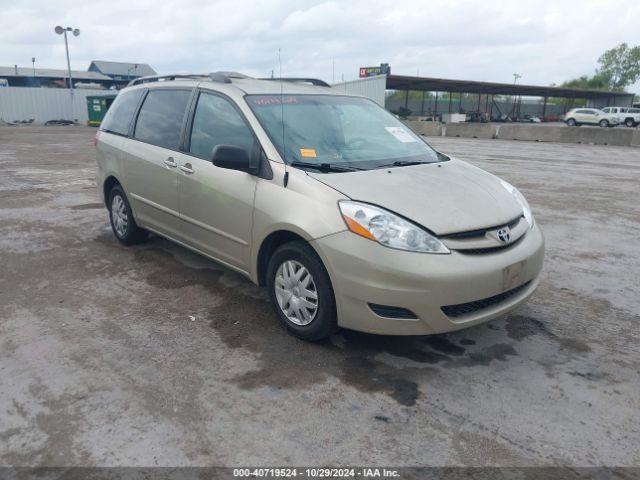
[(364, 272)]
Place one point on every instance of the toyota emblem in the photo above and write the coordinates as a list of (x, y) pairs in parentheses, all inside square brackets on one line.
[(504, 235)]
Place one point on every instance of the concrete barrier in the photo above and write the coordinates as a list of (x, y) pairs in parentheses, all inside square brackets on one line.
[(556, 133), (428, 129), (471, 130), (599, 136), (619, 136), (534, 133)]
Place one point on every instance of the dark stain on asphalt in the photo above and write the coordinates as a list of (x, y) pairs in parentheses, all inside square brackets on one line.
[(246, 321), (591, 374), (174, 274), (416, 349), (367, 375), (573, 345), (443, 345), (484, 356), (88, 206), (520, 327)]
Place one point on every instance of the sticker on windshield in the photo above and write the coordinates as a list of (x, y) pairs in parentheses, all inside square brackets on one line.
[(308, 152), (401, 134)]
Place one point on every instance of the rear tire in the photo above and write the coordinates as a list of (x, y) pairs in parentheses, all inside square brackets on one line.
[(121, 217), (604, 123), (301, 293), (572, 122), (630, 123)]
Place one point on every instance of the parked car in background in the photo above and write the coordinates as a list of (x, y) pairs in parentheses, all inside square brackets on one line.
[(344, 214), (531, 119), (478, 117), (628, 115), (590, 116)]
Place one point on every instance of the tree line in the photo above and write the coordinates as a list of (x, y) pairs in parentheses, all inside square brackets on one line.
[(618, 68)]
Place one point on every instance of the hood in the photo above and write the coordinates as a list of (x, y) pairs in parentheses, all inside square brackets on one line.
[(446, 197)]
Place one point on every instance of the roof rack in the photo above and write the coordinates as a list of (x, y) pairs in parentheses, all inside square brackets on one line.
[(222, 77), (313, 81), (160, 78)]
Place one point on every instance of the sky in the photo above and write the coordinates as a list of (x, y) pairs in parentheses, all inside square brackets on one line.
[(544, 41)]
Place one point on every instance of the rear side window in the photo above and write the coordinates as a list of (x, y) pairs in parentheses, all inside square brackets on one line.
[(119, 115), (217, 122), (160, 118)]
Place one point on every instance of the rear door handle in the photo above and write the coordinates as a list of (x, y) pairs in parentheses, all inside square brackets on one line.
[(170, 162), (186, 168)]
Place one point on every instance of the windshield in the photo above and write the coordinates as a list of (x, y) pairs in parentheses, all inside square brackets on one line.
[(338, 131)]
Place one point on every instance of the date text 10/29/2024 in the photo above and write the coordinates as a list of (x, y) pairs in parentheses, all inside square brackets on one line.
[(316, 472)]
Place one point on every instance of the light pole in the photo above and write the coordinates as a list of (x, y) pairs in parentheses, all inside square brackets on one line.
[(135, 71), (60, 31), (516, 77)]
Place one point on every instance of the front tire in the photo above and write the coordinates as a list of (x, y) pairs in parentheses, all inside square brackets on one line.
[(301, 293), (572, 123), (604, 123), (121, 217)]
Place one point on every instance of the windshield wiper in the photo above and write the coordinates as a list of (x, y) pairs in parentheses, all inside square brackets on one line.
[(402, 163), (325, 167)]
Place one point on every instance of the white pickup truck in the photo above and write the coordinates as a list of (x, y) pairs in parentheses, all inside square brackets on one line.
[(627, 115)]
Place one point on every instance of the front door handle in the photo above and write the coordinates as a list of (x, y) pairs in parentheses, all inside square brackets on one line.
[(170, 162), (186, 168)]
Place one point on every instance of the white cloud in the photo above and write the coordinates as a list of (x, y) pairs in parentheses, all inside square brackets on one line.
[(545, 41)]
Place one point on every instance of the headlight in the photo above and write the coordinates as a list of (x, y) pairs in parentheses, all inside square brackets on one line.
[(526, 210), (388, 229)]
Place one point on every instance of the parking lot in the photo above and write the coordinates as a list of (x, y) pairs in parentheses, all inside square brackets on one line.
[(153, 355)]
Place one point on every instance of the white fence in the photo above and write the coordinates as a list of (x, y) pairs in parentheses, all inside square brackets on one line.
[(372, 87), (43, 104)]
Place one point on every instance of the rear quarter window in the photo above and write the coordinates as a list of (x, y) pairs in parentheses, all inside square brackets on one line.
[(119, 116), (161, 116)]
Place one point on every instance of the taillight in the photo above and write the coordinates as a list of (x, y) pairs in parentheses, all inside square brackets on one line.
[(96, 137)]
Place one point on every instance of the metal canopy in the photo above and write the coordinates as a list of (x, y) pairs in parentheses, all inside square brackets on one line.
[(405, 82)]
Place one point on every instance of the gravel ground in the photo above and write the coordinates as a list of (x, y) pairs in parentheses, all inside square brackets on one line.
[(153, 355)]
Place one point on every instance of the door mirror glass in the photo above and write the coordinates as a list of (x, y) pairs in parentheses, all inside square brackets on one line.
[(231, 157)]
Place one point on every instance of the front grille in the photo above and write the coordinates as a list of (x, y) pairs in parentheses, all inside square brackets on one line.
[(472, 307), (481, 232), (481, 251), (392, 312)]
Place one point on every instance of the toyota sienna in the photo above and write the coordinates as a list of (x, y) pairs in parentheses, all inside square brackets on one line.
[(345, 215)]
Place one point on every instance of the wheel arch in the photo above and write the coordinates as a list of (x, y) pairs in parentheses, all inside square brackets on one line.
[(269, 245), (109, 182)]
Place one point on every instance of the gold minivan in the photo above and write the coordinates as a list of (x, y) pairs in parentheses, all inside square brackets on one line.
[(344, 214)]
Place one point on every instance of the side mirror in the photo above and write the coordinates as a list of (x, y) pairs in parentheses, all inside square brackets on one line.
[(232, 157)]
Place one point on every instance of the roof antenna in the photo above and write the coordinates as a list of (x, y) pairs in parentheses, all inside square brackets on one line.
[(284, 149)]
